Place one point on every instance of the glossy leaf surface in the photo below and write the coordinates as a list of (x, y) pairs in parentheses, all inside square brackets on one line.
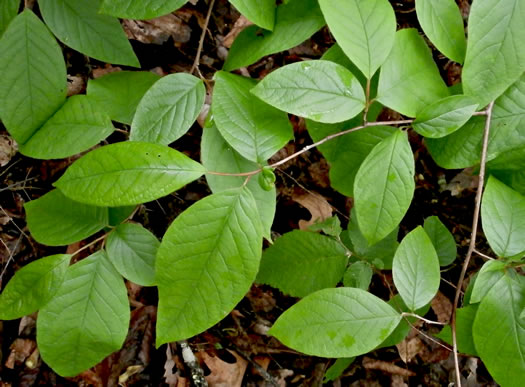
[(33, 286), (340, 322), (128, 173), (206, 263), (442, 240), (33, 82), (302, 262), (416, 269), (168, 109), (384, 186), (365, 30), (86, 320), (254, 129), (320, 90), (77, 24), (140, 9), (260, 12)]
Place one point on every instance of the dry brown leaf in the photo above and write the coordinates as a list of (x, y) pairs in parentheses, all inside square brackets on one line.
[(409, 348), (397, 381), (21, 349), (170, 378), (387, 367), (101, 71), (75, 85), (462, 181), (240, 24), (158, 30), (8, 148), (282, 374), (319, 208), (442, 307), (224, 374), (130, 371)]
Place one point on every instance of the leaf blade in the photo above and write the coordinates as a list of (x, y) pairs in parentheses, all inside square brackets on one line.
[(139, 9), (260, 12)]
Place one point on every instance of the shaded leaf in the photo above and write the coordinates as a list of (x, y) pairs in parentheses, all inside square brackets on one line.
[(337, 369), (139, 9), (127, 173), (358, 275), (464, 321), (8, 11), (260, 12), (442, 239)]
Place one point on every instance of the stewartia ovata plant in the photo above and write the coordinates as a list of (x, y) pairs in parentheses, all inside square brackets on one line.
[(212, 252)]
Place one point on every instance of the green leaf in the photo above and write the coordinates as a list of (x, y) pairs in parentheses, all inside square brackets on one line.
[(132, 250), (442, 22), (442, 239), (462, 148), (503, 218), (77, 24), (358, 275), (253, 128), (340, 322), (337, 369), (295, 21), (86, 320), (320, 90), (336, 54), (302, 262), (218, 156), (416, 269), (168, 109), (119, 93), (55, 220), (365, 30), (495, 50), (330, 226), (140, 9), (76, 127), (33, 286), (410, 79), (384, 186), (206, 263), (444, 116), (127, 173), (491, 272), (33, 82), (346, 153), (499, 333), (267, 178), (260, 12), (8, 11), (464, 321), (119, 214)]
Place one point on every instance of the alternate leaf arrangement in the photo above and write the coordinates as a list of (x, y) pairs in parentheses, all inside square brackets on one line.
[(212, 252)]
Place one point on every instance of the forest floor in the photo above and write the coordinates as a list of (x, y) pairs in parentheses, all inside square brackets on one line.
[(236, 351)]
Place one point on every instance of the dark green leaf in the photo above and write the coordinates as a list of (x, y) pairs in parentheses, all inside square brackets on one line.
[(442, 240), (140, 9), (337, 369), (8, 11), (464, 321), (358, 275), (330, 226)]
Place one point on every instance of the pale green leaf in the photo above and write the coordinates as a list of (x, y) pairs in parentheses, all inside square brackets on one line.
[(140, 9), (33, 83), (132, 250), (340, 322), (365, 30), (8, 11), (55, 220), (168, 109), (358, 275), (337, 369), (444, 116), (119, 93), (499, 333), (76, 127), (346, 153), (127, 173), (409, 79), (491, 272), (442, 22), (295, 21), (206, 263), (218, 156), (464, 321), (33, 286), (86, 320), (462, 148), (302, 262), (503, 218), (260, 12), (77, 24), (254, 129), (336, 54), (442, 240), (320, 90), (416, 269), (384, 186), (495, 50)]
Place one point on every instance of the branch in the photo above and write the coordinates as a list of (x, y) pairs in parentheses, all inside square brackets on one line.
[(405, 314), (197, 60), (472, 245)]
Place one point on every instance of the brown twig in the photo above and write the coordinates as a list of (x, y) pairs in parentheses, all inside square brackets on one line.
[(196, 62), (483, 255), (472, 243)]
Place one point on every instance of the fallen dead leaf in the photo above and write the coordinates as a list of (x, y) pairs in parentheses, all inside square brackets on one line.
[(240, 24), (75, 85), (21, 349), (319, 208), (462, 181), (158, 30), (387, 367), (170, 378), (442, 307), (8, 148), (224, 374), (98, 72), (409, 348), (130, 371)]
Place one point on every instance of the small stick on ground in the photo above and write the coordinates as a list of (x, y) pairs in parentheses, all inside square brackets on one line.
[(197, 373), (197, 60)]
